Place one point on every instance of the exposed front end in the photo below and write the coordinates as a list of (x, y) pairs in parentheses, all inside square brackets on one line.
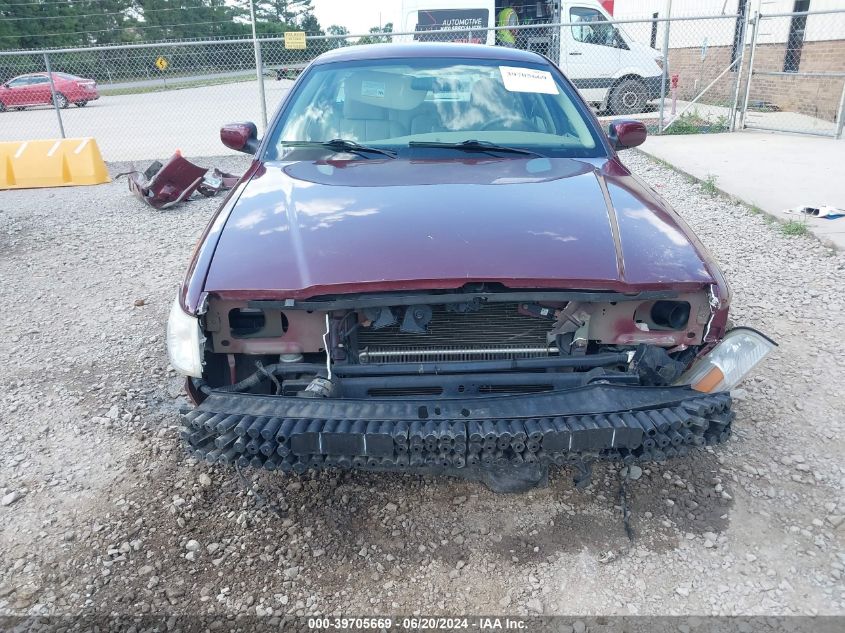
[(437, 262), (482, 381)]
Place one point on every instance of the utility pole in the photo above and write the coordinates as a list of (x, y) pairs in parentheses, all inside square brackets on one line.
[(259, 66), (664, 77)]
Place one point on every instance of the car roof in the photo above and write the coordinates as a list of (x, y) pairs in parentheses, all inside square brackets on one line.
[(428, 49)]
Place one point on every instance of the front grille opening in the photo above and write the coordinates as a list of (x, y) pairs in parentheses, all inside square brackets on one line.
[(395, 392), (493, 332)]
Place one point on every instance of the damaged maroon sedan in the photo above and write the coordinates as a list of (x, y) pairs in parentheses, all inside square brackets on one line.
[(436, 262)]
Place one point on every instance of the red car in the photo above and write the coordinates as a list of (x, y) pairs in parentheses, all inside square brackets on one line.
[(436, 262), (34, 89)]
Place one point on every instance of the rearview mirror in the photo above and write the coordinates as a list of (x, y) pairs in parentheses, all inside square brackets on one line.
[(626, 133), (242, 137)]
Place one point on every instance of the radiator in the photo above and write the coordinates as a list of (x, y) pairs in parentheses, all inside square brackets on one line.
[(495, 331)]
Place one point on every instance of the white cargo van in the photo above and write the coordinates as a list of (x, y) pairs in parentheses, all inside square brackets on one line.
[(612, 71)]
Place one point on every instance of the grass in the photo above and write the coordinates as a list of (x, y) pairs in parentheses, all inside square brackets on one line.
[(174, 84), (794, 228), (753, 209), (663, 163), (694, 123), (708, 186), (668, 165)]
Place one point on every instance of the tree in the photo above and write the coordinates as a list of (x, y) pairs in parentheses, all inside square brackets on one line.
[(337, 31), (285, 11), (40, 24), (55, 23), (309, 23), (175, 19), (338, 40), (376, 36)]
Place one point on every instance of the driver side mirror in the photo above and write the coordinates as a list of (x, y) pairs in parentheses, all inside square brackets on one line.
[(625, 134), (242, 137)]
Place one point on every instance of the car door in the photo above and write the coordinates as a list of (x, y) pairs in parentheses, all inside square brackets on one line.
[(592, 51), (39, 89), (18, 91)]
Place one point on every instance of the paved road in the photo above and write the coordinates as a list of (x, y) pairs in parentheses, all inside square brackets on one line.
[(152, 125)]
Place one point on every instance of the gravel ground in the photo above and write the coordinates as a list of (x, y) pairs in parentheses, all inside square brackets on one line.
[(100, 511)]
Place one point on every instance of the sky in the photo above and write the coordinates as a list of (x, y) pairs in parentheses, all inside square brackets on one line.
[(356, 15)]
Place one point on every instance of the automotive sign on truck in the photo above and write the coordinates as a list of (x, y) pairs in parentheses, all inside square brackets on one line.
[(460, 21)]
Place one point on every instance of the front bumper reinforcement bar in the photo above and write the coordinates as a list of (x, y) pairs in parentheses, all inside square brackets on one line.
[(572, 426)]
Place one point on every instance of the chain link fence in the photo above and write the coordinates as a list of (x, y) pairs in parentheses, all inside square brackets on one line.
[(797, 80), (679, 75), (147, 101)]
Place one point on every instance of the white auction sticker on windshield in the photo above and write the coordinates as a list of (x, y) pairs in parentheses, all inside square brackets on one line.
[(528, 80)]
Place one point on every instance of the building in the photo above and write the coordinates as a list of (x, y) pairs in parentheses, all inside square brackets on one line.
[(789, 46)]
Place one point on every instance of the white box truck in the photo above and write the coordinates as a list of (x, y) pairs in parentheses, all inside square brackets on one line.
[(612, 71)]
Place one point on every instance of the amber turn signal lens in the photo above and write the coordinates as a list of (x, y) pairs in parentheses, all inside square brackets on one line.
[(709, 381), (729, 361)]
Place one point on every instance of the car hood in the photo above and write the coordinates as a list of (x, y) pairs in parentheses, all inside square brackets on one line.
[(300, 229)]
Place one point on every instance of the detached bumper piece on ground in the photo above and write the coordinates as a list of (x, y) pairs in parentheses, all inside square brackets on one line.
[(507, 442), (164, 186)]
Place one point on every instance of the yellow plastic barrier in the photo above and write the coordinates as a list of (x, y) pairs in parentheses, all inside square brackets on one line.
[(51, 163)]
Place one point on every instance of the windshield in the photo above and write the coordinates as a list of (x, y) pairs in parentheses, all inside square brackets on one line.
[(398, 104)]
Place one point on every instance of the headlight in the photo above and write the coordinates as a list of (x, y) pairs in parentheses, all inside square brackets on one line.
[(729, 362), (184, 342)]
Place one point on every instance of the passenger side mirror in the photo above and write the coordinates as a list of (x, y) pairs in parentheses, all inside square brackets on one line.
[(625, 134), (242, 137)]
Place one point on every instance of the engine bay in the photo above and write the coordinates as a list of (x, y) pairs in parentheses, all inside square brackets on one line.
[(477, 342)]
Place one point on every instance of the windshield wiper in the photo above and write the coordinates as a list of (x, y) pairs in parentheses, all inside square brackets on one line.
[(342, 145), (473, 145)]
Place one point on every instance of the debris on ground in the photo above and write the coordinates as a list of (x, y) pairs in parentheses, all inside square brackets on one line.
[(165, 186), (824, 211)]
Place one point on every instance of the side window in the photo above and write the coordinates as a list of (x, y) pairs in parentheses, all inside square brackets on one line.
[(20, 82), (38, 80), (591, 27)]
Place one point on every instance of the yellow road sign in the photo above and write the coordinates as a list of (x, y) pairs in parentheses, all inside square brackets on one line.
[(161, 63), (295, 39)]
